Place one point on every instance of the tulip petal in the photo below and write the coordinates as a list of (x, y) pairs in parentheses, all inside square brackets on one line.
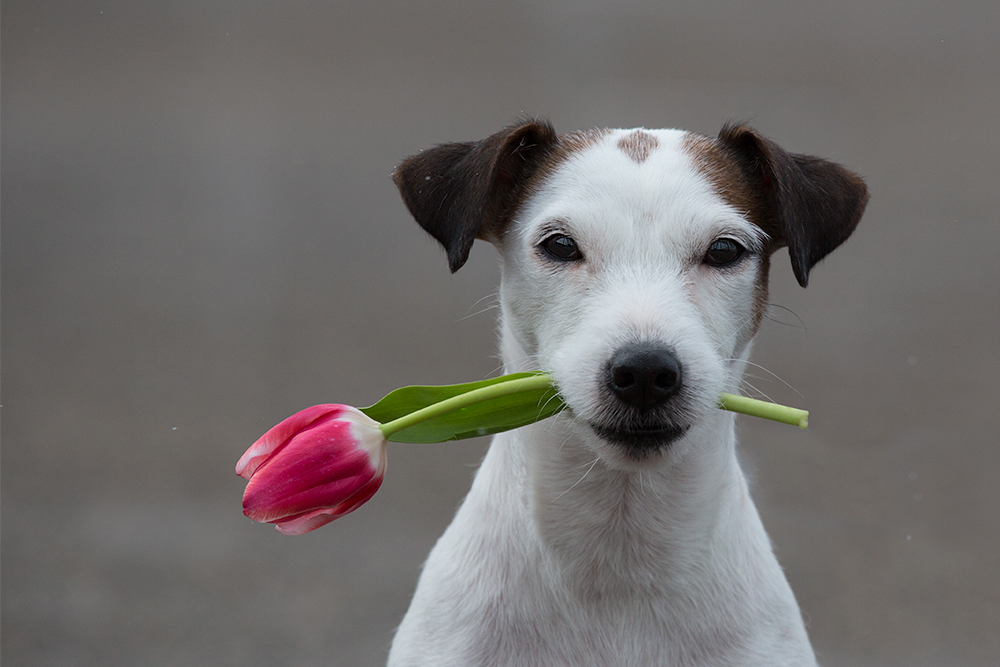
[(306, 523), (313, 520), (315, 466), (280, 434)]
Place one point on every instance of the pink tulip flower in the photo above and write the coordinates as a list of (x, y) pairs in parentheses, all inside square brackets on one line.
[(328, 460), (315, 466)]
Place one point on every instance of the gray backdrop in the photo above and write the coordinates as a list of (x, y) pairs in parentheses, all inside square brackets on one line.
[(200, 237)]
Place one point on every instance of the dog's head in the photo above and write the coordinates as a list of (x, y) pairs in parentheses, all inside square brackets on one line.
[(635, 261)]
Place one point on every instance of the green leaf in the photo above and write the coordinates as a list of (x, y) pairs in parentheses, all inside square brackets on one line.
[(498, 404)]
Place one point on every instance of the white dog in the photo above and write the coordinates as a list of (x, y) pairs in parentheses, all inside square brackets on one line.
[(635, 264)]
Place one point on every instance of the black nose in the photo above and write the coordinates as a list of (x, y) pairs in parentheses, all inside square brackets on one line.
[(644, 376)]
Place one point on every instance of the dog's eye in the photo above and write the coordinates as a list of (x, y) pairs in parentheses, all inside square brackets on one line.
[(723, 252), (561, 247)]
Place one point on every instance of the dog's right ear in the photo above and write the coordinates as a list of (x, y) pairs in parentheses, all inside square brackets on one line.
[(464, 191), (809, 204)]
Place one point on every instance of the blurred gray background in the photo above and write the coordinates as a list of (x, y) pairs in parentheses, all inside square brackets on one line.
[(200, 237)]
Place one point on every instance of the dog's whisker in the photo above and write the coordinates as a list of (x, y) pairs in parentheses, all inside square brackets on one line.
[(493, 306), (758, 391), (478, 312), (773, 375), (770, 318), (588, 464), (567, 437), (543, 406), (594, 463), (747, 321), (652, 487)]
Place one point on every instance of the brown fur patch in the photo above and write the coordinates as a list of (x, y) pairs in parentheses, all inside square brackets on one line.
[(730, 183), (804, 202), (567, 145), (564, 147), (638, 145), (727, 177)]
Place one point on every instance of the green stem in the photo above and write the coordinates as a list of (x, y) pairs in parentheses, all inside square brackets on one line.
[(773, 411), (454, 403)]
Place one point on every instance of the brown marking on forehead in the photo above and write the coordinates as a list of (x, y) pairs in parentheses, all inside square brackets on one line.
[(565, 147), (638, 145), (726, 176), (730, 182)]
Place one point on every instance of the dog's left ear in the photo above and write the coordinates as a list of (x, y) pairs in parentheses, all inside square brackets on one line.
[(809, 204), (464, 191)]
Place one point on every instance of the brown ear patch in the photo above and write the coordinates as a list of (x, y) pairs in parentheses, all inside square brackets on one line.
[(638, 145), (803, 202), (459, 192), (462, 191)]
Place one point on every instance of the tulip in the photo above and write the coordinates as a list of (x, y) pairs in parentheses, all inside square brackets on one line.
[(328, 460), (313, 467)]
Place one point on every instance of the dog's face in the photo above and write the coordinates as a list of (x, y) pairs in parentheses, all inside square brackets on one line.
[(636, 285), (635, 262)]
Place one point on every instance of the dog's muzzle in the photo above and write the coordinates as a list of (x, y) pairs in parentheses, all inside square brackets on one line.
[(642, 381)]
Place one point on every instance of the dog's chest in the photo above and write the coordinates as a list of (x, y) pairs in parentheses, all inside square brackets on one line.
[(497, 591)]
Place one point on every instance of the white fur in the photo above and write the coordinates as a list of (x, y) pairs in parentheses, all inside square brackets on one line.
[(567, 551)]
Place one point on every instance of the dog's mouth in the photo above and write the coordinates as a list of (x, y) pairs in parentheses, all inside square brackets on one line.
[(640, 440)]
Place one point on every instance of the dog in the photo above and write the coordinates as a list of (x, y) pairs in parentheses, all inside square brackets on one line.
[(635, 270)]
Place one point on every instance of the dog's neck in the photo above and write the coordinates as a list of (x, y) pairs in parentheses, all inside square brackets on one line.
[(650, 529), (643, 530)]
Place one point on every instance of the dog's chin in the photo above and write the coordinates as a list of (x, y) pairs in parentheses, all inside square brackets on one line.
[(639, 443)]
